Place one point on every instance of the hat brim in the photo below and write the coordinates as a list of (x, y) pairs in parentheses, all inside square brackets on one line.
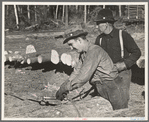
[(75, 36)]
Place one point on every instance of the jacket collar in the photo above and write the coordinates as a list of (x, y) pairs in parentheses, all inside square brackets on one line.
[(112, 32)]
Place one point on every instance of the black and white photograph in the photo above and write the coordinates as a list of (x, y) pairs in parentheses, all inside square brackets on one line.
[(74, 61)]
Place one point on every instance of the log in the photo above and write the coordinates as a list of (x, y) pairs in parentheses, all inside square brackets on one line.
[(70, 58), (44, 58), (53, 56), (32, 60), (5, 52), (30, 55), (14, 57), (6, 58), (30, 49)]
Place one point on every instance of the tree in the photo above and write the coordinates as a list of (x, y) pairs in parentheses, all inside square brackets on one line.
[(66, 17), (16, 15)]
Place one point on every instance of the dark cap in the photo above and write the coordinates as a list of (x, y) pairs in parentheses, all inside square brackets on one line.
[(74, 34), (105, 15)]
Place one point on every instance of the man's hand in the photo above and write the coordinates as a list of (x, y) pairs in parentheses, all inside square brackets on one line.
[(120, 66), (64, 90)]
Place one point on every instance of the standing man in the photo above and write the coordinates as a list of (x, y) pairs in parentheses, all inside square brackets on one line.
[(120, 46), (94, 66)]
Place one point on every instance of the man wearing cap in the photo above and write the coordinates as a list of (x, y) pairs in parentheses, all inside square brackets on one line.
[(96, 67), (123, 50)]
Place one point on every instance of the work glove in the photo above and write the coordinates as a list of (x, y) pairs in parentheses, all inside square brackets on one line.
[(64, 90), (120, 66)]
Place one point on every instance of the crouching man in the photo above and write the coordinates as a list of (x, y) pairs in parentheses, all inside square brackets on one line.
[(94, 66)]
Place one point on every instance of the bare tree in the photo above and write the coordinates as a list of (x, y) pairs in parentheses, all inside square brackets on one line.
[(66, 17), (63, 14), (28, 11), (120, 12), (56, 12), (16, 15), (35, 14), (85, 13)]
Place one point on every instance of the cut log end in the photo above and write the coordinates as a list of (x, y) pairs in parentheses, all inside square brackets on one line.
[(10, 59), (54, 57), (28, 61), (66, 59), (22, 62), (30, 49), (39, 59), (5, 52), (63, 58)]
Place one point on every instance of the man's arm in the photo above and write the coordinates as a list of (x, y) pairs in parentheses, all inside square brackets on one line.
[(88, 68), (75, 71), (132, 48)]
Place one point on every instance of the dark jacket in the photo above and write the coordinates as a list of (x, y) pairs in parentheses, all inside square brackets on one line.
[(111, 44)]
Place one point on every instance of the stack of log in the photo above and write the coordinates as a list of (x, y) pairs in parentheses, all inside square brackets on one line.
[(55, 56)]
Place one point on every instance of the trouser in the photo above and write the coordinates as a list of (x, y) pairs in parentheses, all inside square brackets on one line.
[(116, 91)]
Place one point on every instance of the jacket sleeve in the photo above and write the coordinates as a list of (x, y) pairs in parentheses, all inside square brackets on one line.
[(88, 68), (75, 71), (132, 48)]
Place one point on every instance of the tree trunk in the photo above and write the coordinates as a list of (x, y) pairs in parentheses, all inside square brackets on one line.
[(63, 13), (66, 17), (35, 14), (137, 12), (28, 11), (88, 9), (56, 14), (76, 8), (16, 15), (85, 14), (120, 12), (128, 11)]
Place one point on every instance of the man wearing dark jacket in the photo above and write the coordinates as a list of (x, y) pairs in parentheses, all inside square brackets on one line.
[(94, 66), (122, 49)]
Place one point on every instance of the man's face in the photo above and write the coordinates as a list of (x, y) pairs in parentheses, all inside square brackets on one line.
[(76, 45), (102, 27)]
